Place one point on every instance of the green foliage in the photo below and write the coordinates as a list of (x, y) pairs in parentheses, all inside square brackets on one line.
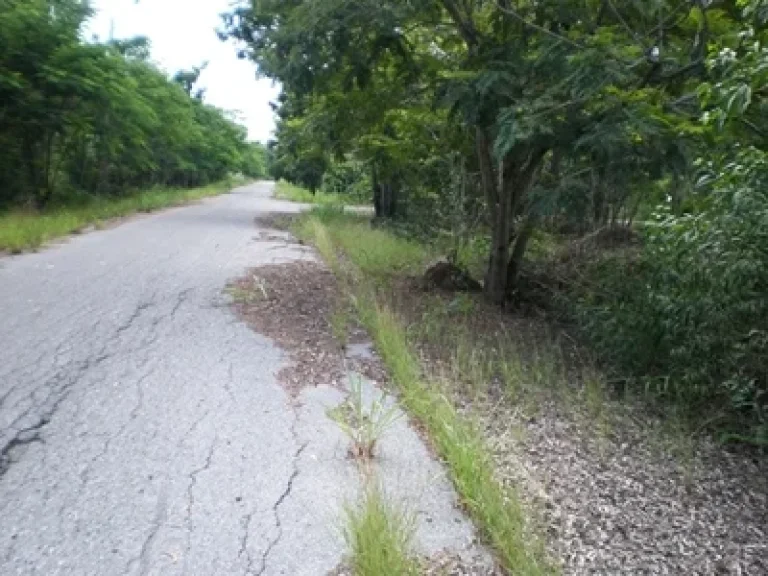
[(350, 179), (694, 316), (254, 160), (693, 320), (287, 191), (99, 118)]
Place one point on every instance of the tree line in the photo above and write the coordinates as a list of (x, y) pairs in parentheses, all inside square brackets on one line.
[(100, 118), (513, 116)]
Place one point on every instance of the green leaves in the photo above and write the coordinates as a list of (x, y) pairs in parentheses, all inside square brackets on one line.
[(97, 117)]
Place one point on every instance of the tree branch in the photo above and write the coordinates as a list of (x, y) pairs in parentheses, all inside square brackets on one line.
[(541, 29), (625, 25), (466, 26)]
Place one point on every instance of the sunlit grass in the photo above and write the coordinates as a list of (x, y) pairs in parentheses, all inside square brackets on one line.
[(21, 231), (287, 191)]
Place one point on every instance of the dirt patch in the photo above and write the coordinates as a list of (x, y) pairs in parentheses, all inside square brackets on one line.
[(275, 221), (612, 487), (298, 305), (292, 304)]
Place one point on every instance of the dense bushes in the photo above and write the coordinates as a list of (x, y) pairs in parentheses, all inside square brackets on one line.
[(691, 313), (350, 179)]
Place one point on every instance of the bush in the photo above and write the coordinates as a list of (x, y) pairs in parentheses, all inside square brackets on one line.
[(350, 179), (692, 312)]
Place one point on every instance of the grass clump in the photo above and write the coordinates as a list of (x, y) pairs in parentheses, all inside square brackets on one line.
[(364, 422), (379, 536), (28, 230)]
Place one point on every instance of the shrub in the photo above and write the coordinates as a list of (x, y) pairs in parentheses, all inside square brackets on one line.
[(692, 312)]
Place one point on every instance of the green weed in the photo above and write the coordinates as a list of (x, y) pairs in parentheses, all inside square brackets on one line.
[(379, 536), (364, 422), (340, 321)]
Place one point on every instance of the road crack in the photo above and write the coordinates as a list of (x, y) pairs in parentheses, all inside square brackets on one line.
[(276, 510), (158, 521), (191, 497), (22, 438)]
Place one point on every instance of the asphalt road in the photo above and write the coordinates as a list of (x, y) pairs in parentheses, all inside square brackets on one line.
[(142, 428)]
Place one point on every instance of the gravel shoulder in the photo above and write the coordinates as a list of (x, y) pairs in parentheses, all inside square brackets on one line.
[(616, 488)]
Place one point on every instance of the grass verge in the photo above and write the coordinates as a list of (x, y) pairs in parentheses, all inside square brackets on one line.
[(22, 231), (368, 255), (287, 191)]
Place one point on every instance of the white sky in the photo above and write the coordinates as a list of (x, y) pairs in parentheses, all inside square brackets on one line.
[(183, 35)]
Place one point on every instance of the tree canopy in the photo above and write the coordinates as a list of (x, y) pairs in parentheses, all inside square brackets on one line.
[(98, 117), (547, 103)]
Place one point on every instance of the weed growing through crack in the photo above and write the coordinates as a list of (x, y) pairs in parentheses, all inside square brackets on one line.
[(379, 535), (364, 423)]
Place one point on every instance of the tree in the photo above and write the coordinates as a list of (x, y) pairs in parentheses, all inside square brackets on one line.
[(98, 118), (533, 85), (254, 160)]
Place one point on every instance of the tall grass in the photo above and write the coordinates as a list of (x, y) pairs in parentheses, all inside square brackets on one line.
[(375, 252), (496, 509), (28, 230)]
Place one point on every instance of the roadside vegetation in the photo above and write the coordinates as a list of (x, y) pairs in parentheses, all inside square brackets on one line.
[(379, 536), (284, 190), (601, 163), (343, 183), (368, 263), (94, 130), (22, 230), (535, 434)]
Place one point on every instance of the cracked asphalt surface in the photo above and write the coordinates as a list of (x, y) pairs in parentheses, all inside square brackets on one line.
[(142, 428)]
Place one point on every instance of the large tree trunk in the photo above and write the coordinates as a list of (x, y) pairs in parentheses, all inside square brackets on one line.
[(506, 191), (498, 216), (501, 230), (384, 196), (516, 259)]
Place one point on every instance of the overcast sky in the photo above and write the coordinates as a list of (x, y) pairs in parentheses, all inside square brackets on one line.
[(183, 35)]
